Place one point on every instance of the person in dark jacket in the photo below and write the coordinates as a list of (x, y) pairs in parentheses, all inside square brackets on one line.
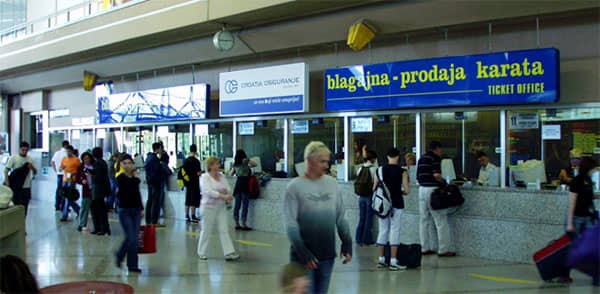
[(155, 176), (242, 169), (131, 211), (192, 168), (100, 190)]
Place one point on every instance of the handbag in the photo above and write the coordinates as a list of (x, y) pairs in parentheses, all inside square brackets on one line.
[(446, 197), (70, 193), (147, 239)]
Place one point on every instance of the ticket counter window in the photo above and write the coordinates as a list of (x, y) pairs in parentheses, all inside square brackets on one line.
[(379, 134), (262, 140), (302, 131), (482, 136), (214, 139), (176, 142), (446, 128), (567, 135)]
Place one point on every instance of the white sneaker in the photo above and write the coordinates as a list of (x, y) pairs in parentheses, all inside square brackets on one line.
[(397, 267), (203, 257), (232, 256)]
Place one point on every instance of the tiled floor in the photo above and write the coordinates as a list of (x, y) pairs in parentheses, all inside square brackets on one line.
[(58, 253)]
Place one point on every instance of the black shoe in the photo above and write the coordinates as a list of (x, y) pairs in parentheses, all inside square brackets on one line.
[(79, 228), (64, 220), (245, 228), (135, 270), (93, 232), (100, 233), (194, 218), (238, 228), (188, 219)]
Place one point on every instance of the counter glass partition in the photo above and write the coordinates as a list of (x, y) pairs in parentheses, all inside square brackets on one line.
[(380, 133), (302, 131), (214, 139), (482, 134), (261, 140), (446, 128), (567, 135)]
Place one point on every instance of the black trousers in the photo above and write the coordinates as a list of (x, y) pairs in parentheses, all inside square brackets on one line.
[(100, 216)]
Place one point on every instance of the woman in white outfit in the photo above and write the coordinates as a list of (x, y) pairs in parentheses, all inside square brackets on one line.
[(215, 194)]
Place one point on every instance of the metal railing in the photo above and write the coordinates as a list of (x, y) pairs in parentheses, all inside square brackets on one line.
[(76, 13)]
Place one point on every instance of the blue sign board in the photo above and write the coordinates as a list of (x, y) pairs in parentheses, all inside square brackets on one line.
[(515, 77)]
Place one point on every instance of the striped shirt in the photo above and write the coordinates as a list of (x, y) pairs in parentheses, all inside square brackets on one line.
[(429, 164)]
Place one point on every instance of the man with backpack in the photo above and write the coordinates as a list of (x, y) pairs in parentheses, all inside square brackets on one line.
[(363, 187), (191, 170), (429, 175), (20, 166), (394, 180)]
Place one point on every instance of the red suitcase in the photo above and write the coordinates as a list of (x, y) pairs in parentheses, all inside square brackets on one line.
[(551, 261), (147, 239)]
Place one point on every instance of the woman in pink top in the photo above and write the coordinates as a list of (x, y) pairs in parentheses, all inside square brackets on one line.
[(215, 194)]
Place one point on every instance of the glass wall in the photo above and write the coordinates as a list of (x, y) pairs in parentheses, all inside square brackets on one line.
[(176, 141), (138, 141), (327, 130), (109, 140), (214, 139), (482, 134), (262, 141), (446, 128)]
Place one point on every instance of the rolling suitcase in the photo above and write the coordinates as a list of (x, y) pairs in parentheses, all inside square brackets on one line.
[(551, 260), (409, 255), (585, 252), (147, 239)]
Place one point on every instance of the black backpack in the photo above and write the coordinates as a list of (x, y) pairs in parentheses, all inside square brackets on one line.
[(363, 185)]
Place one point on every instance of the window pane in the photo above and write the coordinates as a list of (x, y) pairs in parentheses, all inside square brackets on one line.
[(445, 128), (579, 136), (330, 131), (214, 140), (138, 140), (267, 139), (482, 134)]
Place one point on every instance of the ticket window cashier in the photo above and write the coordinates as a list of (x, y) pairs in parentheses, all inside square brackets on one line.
[(488, 173)]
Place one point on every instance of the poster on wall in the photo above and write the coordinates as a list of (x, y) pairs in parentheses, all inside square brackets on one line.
[(300, 127), (167, 104), (267, 90), (361, 124), (246, 128)]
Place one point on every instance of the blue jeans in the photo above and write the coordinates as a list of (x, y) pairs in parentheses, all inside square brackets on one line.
[(58, 199), (69, 203), (110, 200), (364, 233), (320, 277), (153, 204), (241, 199), (130, 221), (581, 223)]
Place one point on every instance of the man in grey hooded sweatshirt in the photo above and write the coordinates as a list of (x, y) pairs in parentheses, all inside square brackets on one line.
[(312, 210)]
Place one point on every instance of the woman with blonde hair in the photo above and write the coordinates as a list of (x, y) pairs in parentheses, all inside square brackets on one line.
[(215, 194)]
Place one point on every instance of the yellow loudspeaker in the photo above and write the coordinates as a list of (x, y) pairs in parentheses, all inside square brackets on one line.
[(89, 80), (359, 35)]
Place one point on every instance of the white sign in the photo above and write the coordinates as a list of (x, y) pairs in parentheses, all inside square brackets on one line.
[(82, 121), (498, 150), (524, 120), (300, 127), (246, 128), (56, 113), (362, 124), (550, 132), (266, 90)]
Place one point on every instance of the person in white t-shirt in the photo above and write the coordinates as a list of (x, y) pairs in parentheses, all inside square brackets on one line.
[(488, 173), (23, 165), (56, 160)]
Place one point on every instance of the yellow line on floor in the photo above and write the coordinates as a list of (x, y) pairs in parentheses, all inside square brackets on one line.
[(195, 234), (252, 243), (503, 280)]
